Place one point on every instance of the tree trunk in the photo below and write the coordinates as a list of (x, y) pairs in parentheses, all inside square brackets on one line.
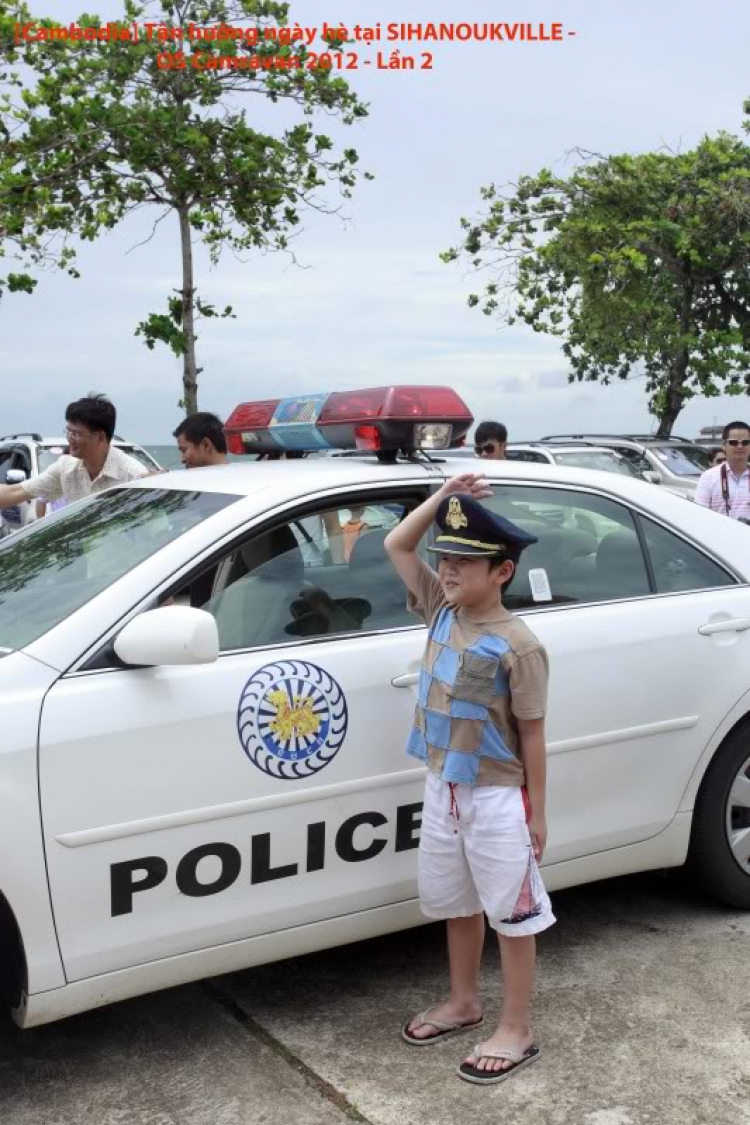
[(678, 369), (189, 370), (673, 402)]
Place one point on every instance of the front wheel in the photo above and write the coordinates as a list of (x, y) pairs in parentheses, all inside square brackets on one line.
[(719, 854)]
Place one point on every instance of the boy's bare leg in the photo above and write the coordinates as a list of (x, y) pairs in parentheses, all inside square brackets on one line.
[(518, 958), (465, 941)]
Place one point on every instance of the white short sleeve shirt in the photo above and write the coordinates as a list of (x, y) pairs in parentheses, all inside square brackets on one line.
[(69, 478)]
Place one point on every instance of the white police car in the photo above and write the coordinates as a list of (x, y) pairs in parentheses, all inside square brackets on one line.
[(202, 763)]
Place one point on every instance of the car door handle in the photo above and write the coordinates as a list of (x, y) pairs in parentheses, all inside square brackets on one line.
[(409, 679), (732, 625)]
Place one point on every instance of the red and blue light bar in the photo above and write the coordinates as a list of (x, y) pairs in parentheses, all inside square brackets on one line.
[(377, 418)]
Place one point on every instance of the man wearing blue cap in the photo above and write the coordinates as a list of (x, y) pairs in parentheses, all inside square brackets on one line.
[(479, 728)]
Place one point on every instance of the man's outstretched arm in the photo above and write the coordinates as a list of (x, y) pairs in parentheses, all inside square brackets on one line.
[(11, 494), (47, 484)]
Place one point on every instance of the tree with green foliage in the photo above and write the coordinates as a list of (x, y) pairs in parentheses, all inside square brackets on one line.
[(30, 233), (109, 127), (634, 262)]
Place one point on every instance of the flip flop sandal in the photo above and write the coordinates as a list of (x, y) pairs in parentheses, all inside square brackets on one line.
[(444, 1030), (519, 1059)]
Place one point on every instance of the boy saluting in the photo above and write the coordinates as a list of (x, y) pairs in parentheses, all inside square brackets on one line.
[(479, 728)]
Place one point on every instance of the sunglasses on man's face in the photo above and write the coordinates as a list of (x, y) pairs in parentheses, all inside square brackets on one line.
[(735, 441), (489, 447)]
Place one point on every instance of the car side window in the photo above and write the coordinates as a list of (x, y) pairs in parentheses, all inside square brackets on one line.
[(318, 574), (678, 565), (21, 460), (6, 462), (638, 460), (587, 548)]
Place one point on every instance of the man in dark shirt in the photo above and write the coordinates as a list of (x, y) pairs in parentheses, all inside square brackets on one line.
[(201, 441)]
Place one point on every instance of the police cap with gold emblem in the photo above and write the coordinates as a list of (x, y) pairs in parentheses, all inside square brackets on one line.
[(466, 527)]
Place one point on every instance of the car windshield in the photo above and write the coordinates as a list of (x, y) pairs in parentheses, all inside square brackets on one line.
[(47, 455), (596, 459), (139, 454), (58, 565), (682, 460)]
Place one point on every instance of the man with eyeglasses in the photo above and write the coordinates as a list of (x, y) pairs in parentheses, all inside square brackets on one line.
[(726, 488), (490, 441), (92, 465)]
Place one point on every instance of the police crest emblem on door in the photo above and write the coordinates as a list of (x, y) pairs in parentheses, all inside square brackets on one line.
[(292, 719)]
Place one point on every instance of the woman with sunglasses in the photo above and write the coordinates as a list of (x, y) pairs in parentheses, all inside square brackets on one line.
[(726, 488)]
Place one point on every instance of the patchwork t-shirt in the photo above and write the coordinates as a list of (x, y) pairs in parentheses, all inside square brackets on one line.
[(477, 679)]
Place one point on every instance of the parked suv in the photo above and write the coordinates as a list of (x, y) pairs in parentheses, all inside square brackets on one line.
[(676, 463), (31, 454)]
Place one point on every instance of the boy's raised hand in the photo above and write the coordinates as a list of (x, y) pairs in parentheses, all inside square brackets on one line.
[(473, 484), (402, 541)]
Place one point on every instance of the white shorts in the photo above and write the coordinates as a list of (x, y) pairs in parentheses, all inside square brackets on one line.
[(475, 855)]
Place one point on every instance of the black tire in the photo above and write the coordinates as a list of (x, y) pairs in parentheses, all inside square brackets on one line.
[(710, 859), (12, 967)]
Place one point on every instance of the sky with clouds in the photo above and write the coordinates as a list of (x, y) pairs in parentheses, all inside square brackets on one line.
[(370, 302)]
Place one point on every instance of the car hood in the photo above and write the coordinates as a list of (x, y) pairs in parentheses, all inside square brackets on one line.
[(685, 487), (23, 673)]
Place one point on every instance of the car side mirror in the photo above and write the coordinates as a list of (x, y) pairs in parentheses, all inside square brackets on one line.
[(15, 476), (651, 477), (170, 635)]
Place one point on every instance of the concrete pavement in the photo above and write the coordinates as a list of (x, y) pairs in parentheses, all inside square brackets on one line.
[(643, 1015)]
